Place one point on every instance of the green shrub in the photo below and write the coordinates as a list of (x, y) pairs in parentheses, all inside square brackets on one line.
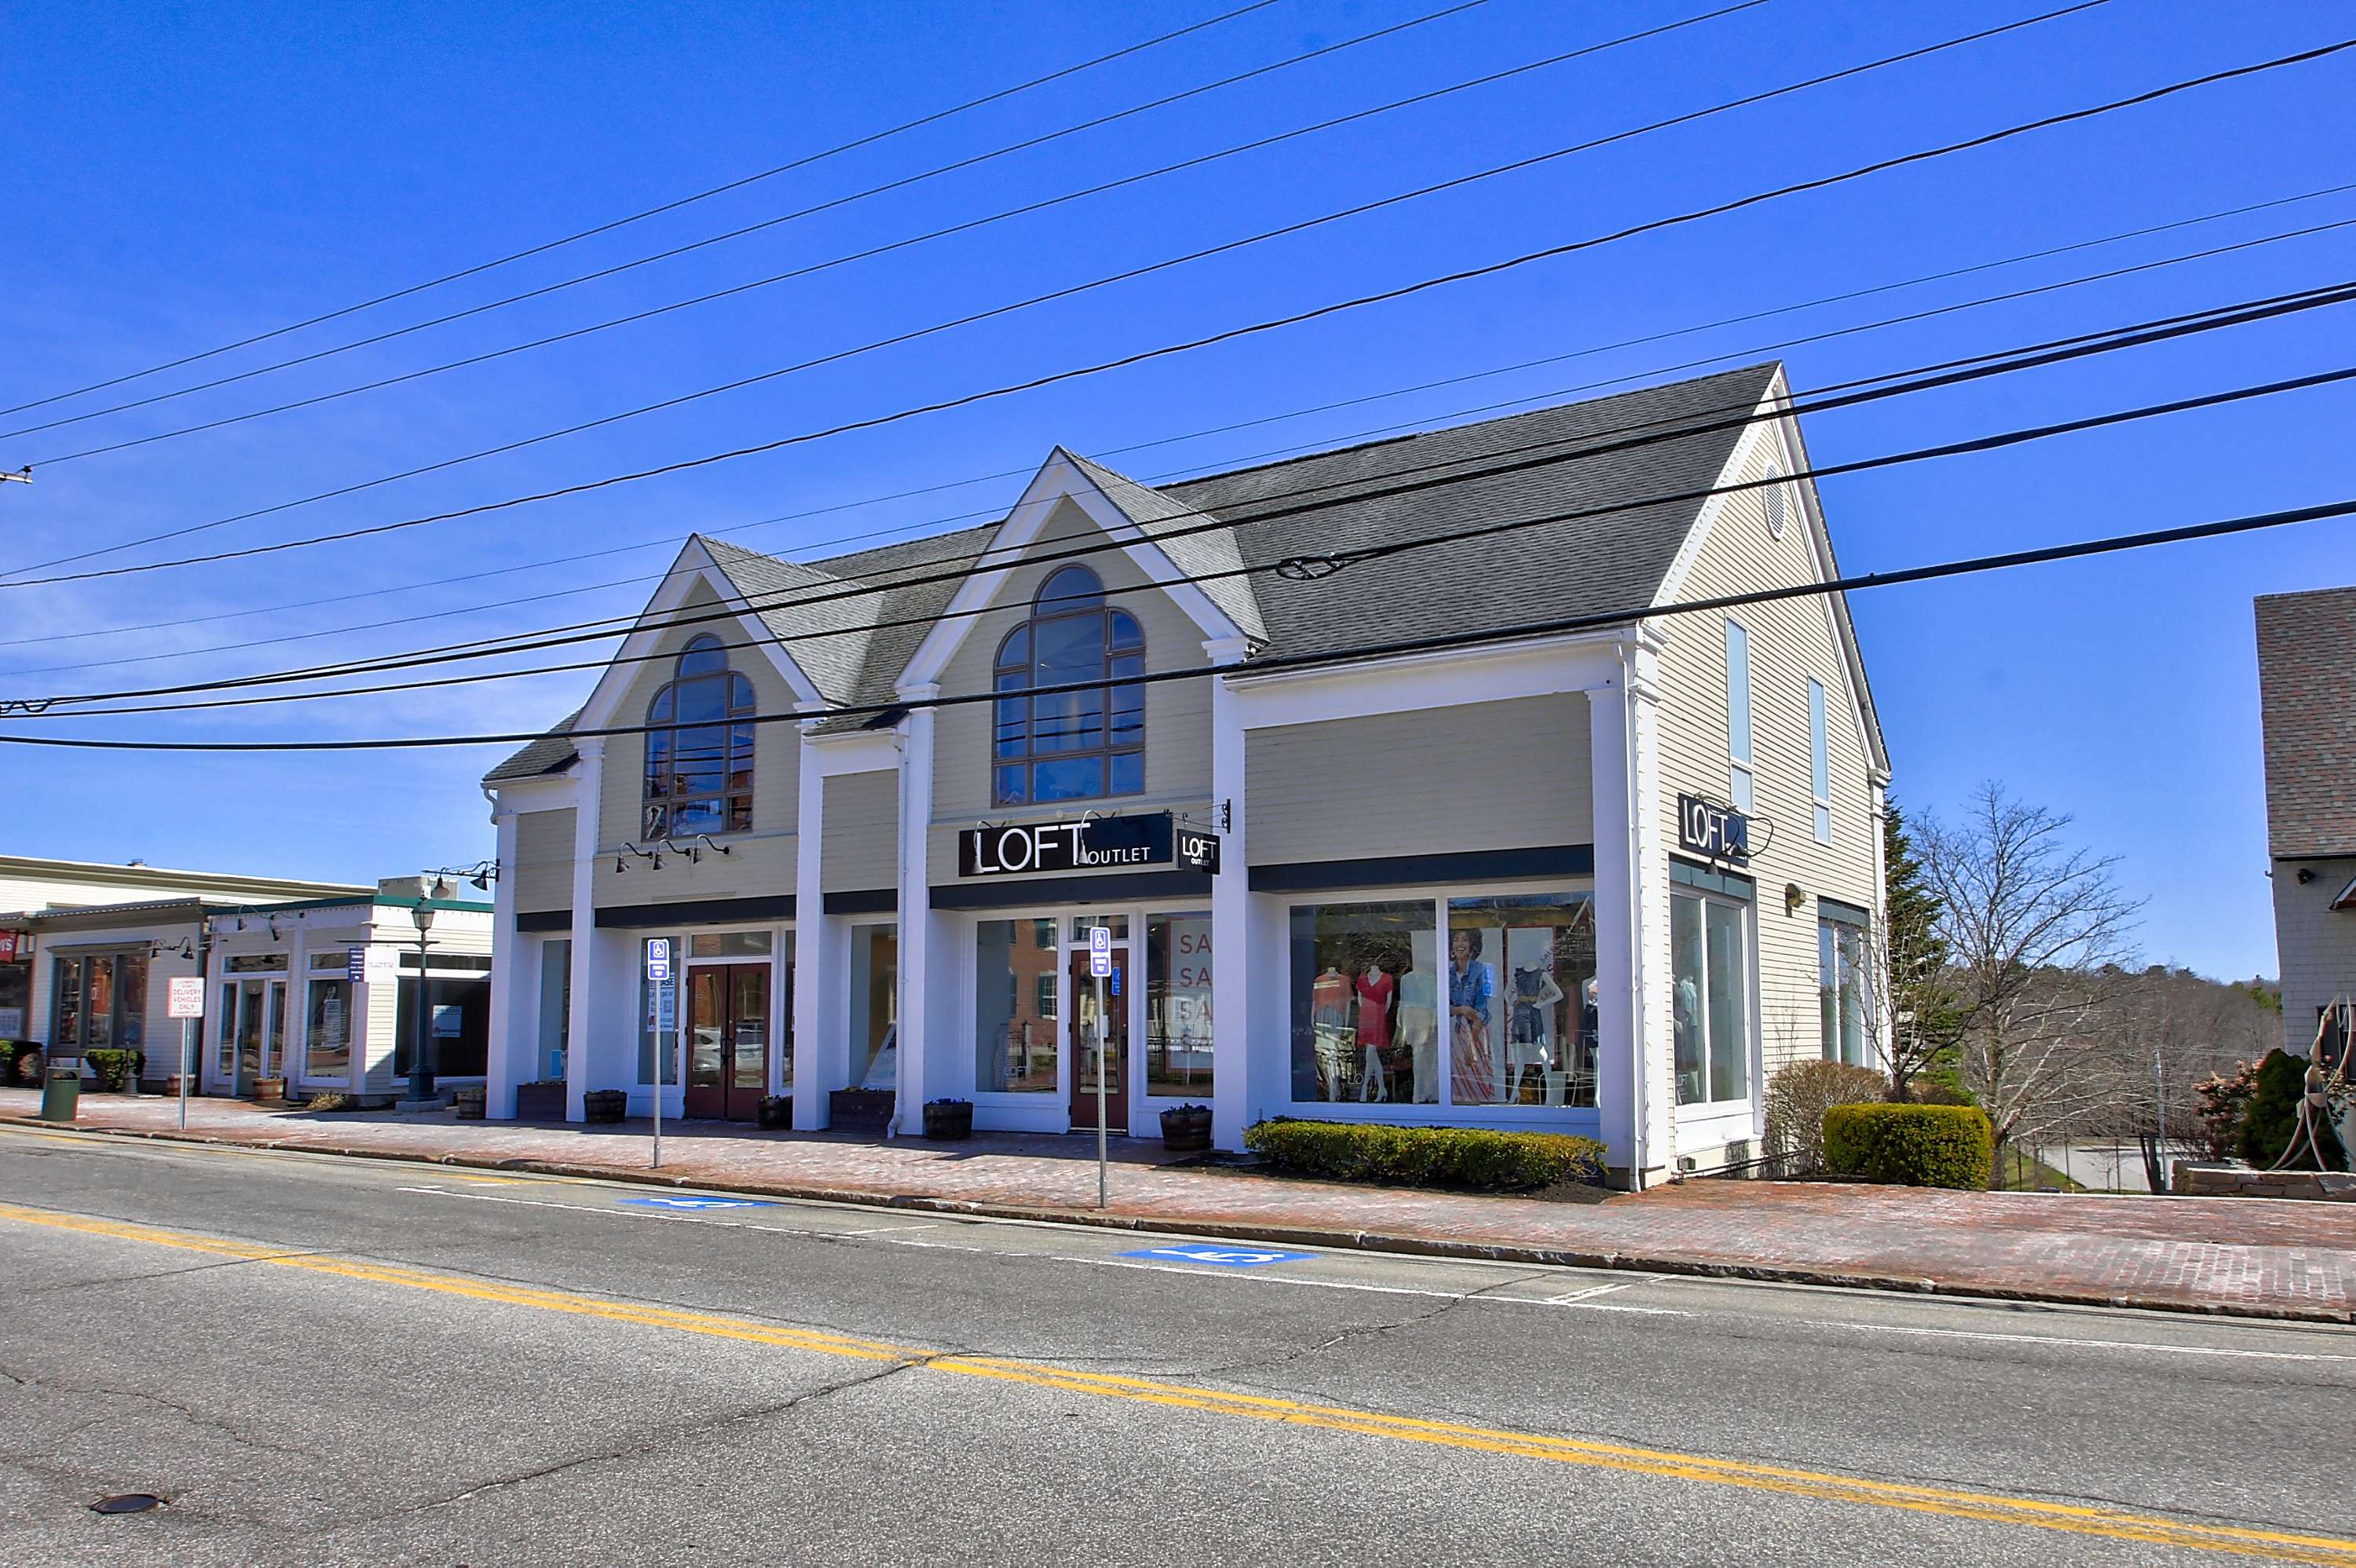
[(1797, 1098), (115, 1069), (10, 1051), (2270, 1120), (1911, 1146), (1425, 1157), (330, 1101)]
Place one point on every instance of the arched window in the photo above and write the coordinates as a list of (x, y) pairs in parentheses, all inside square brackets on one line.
[(1071, 745), (699, 748)]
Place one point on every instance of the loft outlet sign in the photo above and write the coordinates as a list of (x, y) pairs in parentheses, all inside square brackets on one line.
[(1706, 828), (1103, 843)]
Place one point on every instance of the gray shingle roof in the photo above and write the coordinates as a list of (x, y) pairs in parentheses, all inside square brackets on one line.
[(2307, 707), (552, 753), (1585, 566)]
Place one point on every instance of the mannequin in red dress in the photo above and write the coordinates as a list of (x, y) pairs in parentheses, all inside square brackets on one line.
[(1375, 990)]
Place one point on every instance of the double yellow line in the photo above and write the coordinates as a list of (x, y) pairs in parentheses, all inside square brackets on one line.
[(2116, 1524)]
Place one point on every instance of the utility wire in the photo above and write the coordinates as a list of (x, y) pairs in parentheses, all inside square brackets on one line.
[(807, 269), (1141, 271), (1559, 626), (1139, 357), (607, 228), (1312, 566), (1551, 395), (671, 541)]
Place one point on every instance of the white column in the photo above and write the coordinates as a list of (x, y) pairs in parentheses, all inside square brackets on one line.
[(589, 778), (819, 952), (510, 967), (1880, 1017), (1232, 949), (920, 934), (1634, 1077)]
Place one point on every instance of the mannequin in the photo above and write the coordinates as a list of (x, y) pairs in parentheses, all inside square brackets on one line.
[(1530, 1041), (1471, 985), (1329, 1000), (1375, 990), (1418, 1029)]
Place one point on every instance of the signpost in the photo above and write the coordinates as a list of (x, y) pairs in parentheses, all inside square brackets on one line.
[(1100, 968), (666, 1020), (184, 998)]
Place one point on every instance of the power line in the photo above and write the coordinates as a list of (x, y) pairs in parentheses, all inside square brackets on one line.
[(607, 228), (1140, 357), (1324, 564), (810, 269), (1559, 626), (670, 541), (1071, 291), (1176, 474)]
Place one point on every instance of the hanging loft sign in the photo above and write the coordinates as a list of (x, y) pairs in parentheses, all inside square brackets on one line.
[(1092, 844), (1712, 831)]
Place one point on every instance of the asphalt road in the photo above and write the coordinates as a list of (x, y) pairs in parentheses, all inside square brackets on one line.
[(322, 1361)]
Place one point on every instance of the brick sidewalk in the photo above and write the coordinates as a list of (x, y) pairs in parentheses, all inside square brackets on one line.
[(2252, 1257)]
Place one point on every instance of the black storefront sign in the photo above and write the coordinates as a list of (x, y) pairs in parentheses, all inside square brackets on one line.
[(1198, 850), (1713, 831), (1093, 843)]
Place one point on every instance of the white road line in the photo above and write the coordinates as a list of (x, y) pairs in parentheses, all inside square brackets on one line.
[(1578, 1300)]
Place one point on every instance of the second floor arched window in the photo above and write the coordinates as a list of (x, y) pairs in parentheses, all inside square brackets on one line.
[(1071, 745), (699, 748)]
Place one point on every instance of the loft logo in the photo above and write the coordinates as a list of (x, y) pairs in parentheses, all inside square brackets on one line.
[(1708, 829), (1093, 843)]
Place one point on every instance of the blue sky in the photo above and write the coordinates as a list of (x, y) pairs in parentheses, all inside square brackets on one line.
[(185, 175)]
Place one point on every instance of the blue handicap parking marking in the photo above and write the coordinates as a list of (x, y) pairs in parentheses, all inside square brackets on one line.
[(1223, 1256), (696, 1203)]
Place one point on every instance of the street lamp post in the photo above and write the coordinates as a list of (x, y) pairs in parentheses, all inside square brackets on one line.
[(421, 1076)]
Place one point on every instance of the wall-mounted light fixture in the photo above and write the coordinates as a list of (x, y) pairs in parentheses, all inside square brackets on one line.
[(1793, 897), (2305, 875)]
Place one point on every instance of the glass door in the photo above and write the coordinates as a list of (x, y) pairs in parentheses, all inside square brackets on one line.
[(728, 1040), (248, 1036), (1099, 1040)]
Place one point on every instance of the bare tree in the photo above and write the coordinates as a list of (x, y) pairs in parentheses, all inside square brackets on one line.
[(1914, 999), (2166, 1031), (2037, 936)]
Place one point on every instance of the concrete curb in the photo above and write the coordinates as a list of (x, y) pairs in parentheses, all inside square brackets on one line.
[(1255, 1231)]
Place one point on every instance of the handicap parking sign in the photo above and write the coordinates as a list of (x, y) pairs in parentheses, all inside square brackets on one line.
[(1223, 1256), (695, 1202)]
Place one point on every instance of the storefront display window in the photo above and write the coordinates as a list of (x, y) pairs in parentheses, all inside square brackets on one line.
[(1178, 1006), (1710, 999), (555, 1005), (1014, 1023), (101, 1002), (1365, 988), (1842, 990), (1525, 1032), (328, 1032), (457, 1022), (875, 1007), (1116, 924)]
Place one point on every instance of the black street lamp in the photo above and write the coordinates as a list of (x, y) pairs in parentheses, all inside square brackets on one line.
[(421, 1074)]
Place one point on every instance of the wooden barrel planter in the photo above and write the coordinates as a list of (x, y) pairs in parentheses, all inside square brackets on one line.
[(468, 1098), (1186, 1129), (270, 1088), (777, 1111)]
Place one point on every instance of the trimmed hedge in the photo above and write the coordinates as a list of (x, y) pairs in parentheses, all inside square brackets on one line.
[(115, 1069), (1911, 1146), (1425, 1157)]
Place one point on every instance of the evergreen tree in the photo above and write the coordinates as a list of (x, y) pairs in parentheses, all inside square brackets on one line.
[(1923, 1013)]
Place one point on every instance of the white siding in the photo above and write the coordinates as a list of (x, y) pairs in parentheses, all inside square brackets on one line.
[(1490, 775), (2315, 944), (1791, 641), (543, 869)]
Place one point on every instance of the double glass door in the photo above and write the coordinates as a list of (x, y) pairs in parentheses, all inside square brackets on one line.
[(252, 1033), (728, 1040), (1099, 1040)]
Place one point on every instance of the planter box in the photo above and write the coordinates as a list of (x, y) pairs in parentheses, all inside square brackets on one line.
[(1185, 1130), (777, 1111), (540, 1102), (270, 1088), (468, 1098), (859, 1110), (604, 1105), (950, 1120)]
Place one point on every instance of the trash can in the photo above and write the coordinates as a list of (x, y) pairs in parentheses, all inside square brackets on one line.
[(61, 1092)]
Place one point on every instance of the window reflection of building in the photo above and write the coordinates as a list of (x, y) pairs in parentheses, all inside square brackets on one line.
[(875, 1007), (1178, 1006), (1014, 1007)]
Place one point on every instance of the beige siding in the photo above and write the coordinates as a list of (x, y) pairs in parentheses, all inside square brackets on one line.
[(761, 862), (543, 869), (1491, 775), (1177, 712), (2315, 944), (1791, 641), (862, 848)]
